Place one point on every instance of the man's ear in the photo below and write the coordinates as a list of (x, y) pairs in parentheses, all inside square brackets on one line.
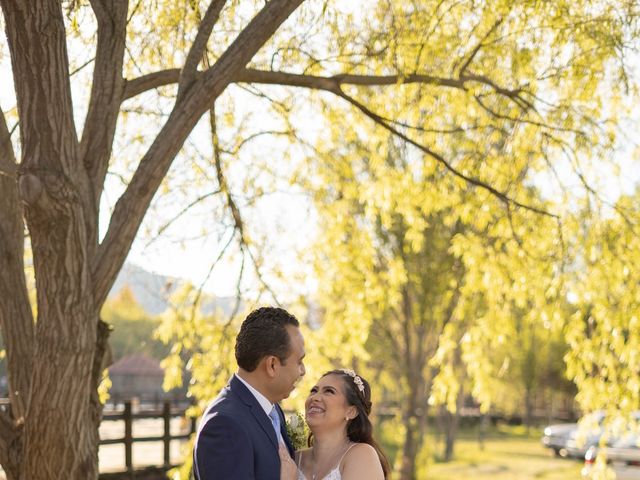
[(270, 364)]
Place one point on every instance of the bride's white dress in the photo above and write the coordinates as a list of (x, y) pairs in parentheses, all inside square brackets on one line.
[(332, 475)]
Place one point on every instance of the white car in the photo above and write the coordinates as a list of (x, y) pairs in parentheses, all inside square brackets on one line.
[(623, 458), (592, 430), (556, 437), (566, 440), (586, 435)]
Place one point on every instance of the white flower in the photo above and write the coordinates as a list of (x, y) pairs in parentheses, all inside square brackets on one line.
[(356, 379), (294, 421)]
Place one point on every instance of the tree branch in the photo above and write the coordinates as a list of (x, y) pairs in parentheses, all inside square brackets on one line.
[(333, 84), (250, 75), (181, 213), (222, 181), (8, 167), (150, 81), (478, 47), (235, 210), (572, 157), (514, 95), (16, 320), (439, 158), (188, 74), (327, 83), (132, 205), (106, 97), (508, 118)]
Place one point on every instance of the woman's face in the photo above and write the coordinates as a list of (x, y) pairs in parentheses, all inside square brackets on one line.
[(326, 406)]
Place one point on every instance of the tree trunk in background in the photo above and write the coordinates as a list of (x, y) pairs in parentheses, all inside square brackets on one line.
[(482, 430), (528, 408), (414, 419), (531, 376), (413, 440), (451, 424)]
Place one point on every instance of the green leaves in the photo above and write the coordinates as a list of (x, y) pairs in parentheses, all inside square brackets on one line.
[(202, 345), (433, 267), (604, 332)]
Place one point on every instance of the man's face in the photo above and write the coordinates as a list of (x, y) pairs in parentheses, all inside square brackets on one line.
[(292, 369)]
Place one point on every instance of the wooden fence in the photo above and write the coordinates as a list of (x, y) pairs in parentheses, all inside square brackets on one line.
[(128, 416)]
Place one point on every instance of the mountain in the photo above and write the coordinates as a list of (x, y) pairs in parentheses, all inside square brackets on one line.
[(152, 290)]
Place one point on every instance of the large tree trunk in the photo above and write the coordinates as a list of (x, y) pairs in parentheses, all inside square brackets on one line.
[(56, 436)]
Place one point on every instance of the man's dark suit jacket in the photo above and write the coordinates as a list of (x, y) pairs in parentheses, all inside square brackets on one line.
[(236, 439)]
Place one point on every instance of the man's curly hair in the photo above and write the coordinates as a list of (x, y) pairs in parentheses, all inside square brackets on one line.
[(264, 333)]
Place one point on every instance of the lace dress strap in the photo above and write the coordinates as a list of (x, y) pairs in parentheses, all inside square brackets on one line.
[(343, 455), (333, 474)]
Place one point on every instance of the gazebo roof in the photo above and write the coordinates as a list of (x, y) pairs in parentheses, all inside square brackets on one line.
[(136, 364)]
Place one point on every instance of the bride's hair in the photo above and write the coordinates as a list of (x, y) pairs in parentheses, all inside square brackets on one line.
[(360, 429)]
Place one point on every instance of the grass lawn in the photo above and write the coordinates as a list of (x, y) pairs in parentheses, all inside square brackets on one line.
[(509, 454)]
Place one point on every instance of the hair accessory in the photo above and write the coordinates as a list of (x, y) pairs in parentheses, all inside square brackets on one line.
[(356, 379)]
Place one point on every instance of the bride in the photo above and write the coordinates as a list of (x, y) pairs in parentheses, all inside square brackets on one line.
[(342, 445)]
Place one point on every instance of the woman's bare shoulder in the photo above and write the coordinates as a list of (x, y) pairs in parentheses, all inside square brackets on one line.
[(361, 450), (361, 461)]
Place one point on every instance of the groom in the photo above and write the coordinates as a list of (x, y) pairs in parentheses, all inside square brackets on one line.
[(240, 431)]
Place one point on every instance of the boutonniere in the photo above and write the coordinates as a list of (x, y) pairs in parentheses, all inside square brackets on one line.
[(297, 430)]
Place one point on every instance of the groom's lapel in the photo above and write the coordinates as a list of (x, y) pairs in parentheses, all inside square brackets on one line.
[(256, 410)]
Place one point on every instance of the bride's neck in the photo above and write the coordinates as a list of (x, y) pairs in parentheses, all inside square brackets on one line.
[(326, 443)]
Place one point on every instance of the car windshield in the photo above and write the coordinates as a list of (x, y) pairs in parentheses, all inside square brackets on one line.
[(596, 418), (630, 440)]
